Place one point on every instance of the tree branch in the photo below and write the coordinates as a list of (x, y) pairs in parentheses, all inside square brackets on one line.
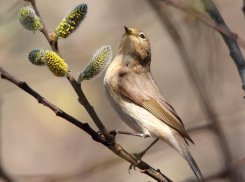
[(114, 147), (231, 39), (90, 109)]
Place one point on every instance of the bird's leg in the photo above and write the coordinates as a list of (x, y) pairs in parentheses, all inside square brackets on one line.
[(141, 154), (115, 132)]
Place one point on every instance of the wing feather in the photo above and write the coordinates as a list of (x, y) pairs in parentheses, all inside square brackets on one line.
[(147, 95)]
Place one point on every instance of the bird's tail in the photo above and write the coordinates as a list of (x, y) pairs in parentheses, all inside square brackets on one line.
[(182, 148), (187, 155)]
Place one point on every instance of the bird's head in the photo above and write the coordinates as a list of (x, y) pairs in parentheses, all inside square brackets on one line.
[(136, 44)]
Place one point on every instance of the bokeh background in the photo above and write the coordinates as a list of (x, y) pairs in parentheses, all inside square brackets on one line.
[(37, 146)]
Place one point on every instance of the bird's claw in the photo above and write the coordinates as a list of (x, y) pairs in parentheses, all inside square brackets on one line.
[(133, 166)]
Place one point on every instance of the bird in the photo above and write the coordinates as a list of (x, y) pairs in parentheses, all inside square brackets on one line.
[(135, 96)]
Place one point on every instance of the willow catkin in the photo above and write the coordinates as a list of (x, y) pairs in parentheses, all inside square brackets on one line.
[(55, 64), (98, 64), (72, 21), (37, 57), (29, 20)]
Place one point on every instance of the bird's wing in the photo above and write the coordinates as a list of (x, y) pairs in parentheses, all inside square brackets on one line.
[(145, 93)]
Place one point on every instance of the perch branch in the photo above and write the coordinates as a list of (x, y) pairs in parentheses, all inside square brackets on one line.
[(114, 147)]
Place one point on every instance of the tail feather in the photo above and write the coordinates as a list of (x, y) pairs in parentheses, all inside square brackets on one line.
[(193, 165)]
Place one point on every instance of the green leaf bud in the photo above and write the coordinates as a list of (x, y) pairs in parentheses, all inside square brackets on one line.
[(72, 21), (56, 64), (37, 57), (29, 20), (98, 64)]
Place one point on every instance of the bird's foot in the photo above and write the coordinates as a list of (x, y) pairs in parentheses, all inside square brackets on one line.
[(139, 157)]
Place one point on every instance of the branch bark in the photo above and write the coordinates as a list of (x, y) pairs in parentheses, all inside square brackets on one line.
[(114, 147)]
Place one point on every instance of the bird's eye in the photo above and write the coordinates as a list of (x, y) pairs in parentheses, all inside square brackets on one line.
[(142, 36)]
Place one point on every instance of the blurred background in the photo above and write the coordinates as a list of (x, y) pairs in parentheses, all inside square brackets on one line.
[(37, 146)]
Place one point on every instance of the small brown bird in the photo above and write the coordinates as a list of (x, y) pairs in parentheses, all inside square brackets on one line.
[(135, 96)]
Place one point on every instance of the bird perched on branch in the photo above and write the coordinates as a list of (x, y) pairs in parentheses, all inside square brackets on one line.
[(135, 96)]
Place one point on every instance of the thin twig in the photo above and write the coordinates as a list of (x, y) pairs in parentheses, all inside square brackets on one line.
[(90, 109), (53, 44), (82, 99)]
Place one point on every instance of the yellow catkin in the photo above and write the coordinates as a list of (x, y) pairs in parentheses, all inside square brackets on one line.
[(56, 64), (98, 64), (37, 57), (72, 21), (29, 20)]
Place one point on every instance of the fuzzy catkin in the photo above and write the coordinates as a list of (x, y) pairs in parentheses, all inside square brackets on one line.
[(37, 57), (72, 21), (98, 64), (55, 64), (29, 20)]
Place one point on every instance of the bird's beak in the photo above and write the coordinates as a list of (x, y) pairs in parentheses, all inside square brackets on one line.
[(127, 31)]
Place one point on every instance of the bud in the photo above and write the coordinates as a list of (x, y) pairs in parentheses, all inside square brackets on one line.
[(72, 21), (29, 20), (98, 64), (56, 64), (37, 57)]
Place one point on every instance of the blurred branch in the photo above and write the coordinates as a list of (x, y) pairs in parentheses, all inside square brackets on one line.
[(193, 75), (206, 20), (235, 51), (243, 7), (3, 174), (114, 147), (231, 39)]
